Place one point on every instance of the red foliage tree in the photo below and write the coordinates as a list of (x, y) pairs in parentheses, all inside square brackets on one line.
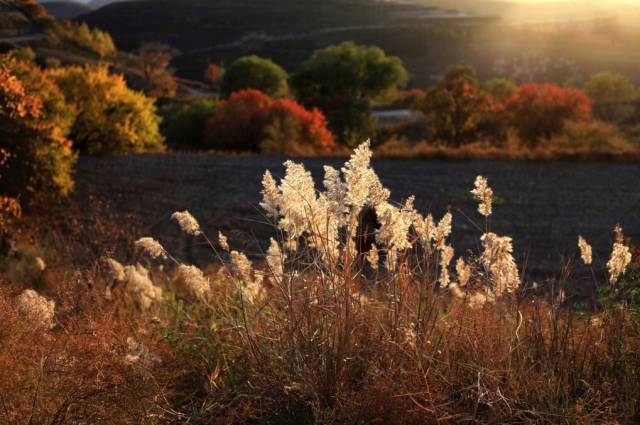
[(250, 117), (541, 110), (459, 112), (311, 125)]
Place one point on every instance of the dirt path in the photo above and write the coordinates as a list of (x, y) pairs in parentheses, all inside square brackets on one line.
[(543, 205)]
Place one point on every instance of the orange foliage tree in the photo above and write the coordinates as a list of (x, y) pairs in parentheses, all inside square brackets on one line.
[(37, 159), (540, 111), (458, 112), (252, 121)]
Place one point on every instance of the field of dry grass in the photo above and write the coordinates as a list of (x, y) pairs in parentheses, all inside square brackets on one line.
[(433, 323)]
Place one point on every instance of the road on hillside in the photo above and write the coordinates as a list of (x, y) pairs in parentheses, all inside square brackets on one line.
[(544, 206)]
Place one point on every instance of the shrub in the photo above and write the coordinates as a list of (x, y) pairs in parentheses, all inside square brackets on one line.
[(185, 127), (293, 130), (37, 158), (238, 122), (111, 117), (254, 72), (612, 96), (540, 111), (458, 112), (251, 121)]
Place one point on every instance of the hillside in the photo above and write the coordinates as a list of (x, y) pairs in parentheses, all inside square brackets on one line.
[(66, 9), (15, 21), (288, 31)]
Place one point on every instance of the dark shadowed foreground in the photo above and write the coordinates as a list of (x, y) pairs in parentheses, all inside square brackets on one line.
[(542, 205)]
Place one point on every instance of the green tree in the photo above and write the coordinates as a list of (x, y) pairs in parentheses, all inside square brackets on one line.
[(612, 96), (500, 88), (254, 72), (343, 81), (111, 118), (185, 127)]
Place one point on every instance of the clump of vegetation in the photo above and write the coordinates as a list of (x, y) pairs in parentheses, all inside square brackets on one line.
[(613, 96), (37, 160), (459, 112), (253, 72), (186, 124), (343, 81), (80, 35), (540, 111), (252, 121), (111, 118), (154, 60)]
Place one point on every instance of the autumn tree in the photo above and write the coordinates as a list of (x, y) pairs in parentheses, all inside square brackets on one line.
[(36, 160), (458, 112), (252, 121), (540, 111), (154, 60), (343, 81), (254, 72), (293, 130), (111, 118)]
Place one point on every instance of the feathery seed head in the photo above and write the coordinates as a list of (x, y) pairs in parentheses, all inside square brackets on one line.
[(463, 270), (193, 279), (116, 270), (241, 266), (275, 260), (446, 255), (373, 257), (141, 287), (151, 247), (223, 241), (498, 260), (187, 222), (443, 230), (270, 195), (585, 251), (620, 257), (36, 308), (483, 193)]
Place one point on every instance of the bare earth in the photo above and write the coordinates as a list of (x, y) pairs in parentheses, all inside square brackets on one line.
[(542, 205)]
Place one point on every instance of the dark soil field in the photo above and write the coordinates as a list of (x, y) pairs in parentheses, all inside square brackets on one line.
[(542, 205)]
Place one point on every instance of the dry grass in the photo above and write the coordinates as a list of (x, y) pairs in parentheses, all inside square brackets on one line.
[(511, 151), (319, 335)]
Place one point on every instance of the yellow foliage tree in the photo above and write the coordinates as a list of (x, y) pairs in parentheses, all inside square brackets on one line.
[(111, 118)]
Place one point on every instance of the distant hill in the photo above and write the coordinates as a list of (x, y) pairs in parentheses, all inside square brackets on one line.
[(97, 4), (287, 31), (66, 9)]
